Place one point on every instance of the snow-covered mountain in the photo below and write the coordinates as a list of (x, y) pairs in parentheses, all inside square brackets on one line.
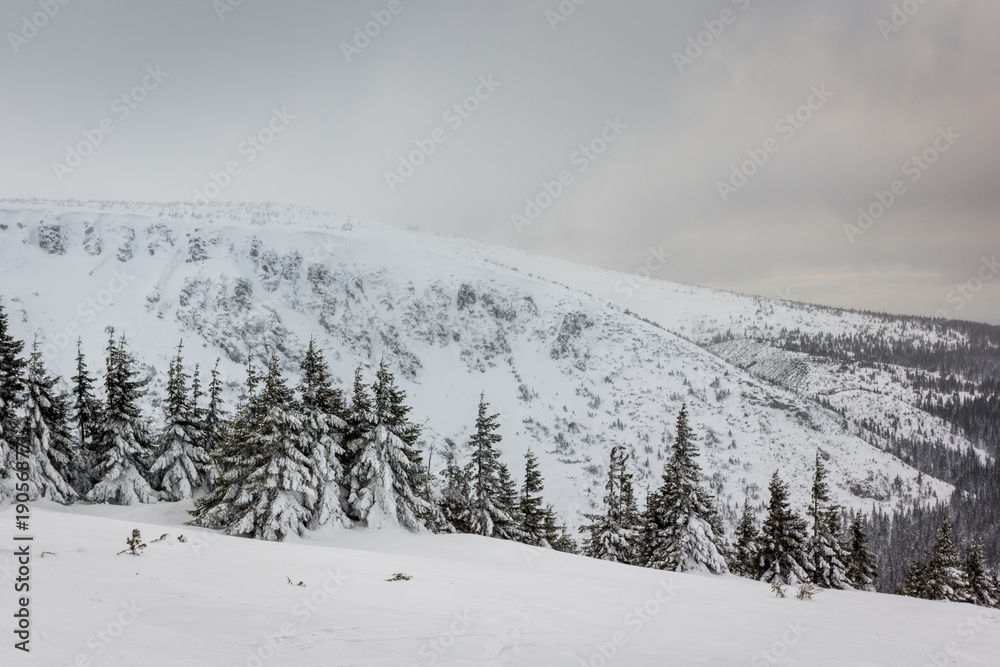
[(576, 359)]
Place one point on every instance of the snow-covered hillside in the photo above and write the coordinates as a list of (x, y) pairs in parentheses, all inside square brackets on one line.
[(572, 365), (213, 600), (868, 396)]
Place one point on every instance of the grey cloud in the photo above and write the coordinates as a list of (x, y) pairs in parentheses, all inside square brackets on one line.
[(656, 185)]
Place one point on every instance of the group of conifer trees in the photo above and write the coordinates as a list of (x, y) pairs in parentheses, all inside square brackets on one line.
[(482, 498), (77, 446), (947, 575), (681, 529), (285, 461), (819, 548), (290, 460)]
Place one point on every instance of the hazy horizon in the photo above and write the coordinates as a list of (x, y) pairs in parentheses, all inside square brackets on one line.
[(740, 138)]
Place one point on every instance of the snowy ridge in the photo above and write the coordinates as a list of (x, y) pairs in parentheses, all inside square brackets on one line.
[(571, 371)]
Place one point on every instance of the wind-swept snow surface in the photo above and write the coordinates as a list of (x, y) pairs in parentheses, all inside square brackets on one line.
[(215, 601)]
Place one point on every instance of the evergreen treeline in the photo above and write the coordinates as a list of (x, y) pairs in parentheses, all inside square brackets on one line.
[(286, 460), (904, 536), (977, 414), (957, 375), (292, 459), (942, 573), (681, 530), (971, 355), (960, 380)]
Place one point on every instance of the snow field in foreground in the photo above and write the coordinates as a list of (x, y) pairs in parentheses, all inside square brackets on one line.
[(222, 601)]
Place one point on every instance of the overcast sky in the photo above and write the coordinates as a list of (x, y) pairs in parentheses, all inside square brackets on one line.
[(665, 121)]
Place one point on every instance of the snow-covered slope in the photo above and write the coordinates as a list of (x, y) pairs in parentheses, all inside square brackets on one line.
[(572, 369), (877, 401), (212, 600)]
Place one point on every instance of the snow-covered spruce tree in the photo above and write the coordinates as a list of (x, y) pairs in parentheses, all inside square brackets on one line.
[(995, 585), (819, 545), (398, 423), (627, 504), (825, 550), (679, 531), (386, 474), (69, 465), (915, 580), (323, 432), (944, 576), (268, 484), (357, 417), (981, 588), (231, 461), (455, 496), (532, 506), (556, 535), (317, 385), (50, 447), (11, 399), (862, 568), (537, 523), (488, 509), (745, 559), (122, 442), (197, 412), (610, 534), (508, 503), (839, 553), (214, 426), (392, 410), (784, 546), (431, 491), (86, 422), (719, 529), (180, 466)]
